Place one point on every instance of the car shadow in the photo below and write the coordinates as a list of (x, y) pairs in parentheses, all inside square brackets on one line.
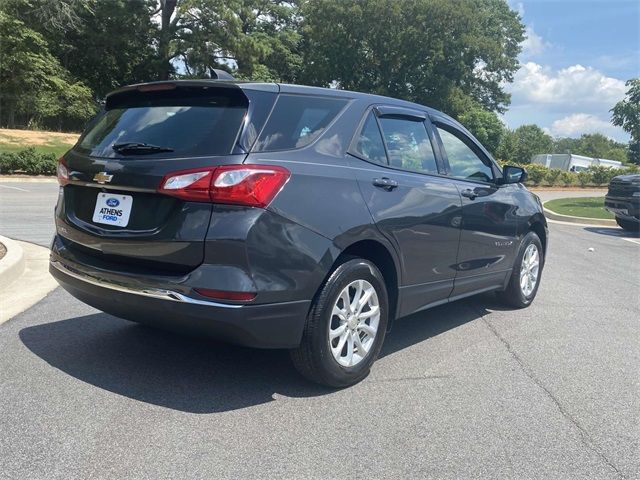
[(197, 375), (612, 232)]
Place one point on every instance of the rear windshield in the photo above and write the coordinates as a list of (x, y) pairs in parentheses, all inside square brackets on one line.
[(184, 122), (297, 120)]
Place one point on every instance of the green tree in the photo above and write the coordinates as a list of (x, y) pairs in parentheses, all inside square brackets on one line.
[(507, 147), (68, 105), (531, 140), (594, 145), (626, 114), (35, 87), (566, 145), (619, 154), (485, 126), (51, 15), (435, 52), (110, 46), (255, 39)]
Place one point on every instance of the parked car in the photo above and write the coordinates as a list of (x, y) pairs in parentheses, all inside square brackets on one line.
[(623, 200), (284, 216)]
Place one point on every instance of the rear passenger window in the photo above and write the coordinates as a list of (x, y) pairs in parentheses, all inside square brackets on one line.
[(463, 161), (408, 145), (297, 120), (369, 145)]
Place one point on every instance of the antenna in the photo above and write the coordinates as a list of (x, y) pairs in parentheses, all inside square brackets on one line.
[(220, 74)]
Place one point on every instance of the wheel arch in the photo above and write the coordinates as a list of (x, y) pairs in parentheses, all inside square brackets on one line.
[(382, 257), (539, 227)]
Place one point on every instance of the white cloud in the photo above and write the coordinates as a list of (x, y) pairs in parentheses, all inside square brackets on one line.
[(572, 86), (576, 124), (519, 7), (533, 45), (566, 102)]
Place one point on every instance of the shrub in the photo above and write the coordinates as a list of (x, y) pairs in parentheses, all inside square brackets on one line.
[(28, 161), (603, 175), (583, 178), (568, 179), (536, 173), (552, 175)]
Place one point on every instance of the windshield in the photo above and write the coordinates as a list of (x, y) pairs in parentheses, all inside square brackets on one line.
[(173, 124)]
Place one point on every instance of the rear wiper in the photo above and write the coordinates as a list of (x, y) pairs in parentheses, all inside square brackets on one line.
[(137, 148)]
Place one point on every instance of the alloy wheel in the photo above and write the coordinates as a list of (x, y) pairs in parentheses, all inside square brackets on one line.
[(529, 270), (354, 323)]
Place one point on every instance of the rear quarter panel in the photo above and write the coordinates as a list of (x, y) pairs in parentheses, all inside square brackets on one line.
[(322, 196)]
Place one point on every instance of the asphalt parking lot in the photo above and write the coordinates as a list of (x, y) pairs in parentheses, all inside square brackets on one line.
[(467, 390)]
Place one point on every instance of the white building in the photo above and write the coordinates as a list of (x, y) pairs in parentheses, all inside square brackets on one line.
[(573, 163)]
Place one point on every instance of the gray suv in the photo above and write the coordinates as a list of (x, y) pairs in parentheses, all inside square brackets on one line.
[(284, 216)]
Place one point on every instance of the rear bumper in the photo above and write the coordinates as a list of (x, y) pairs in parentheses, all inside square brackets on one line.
[(273, 325), (623, 207)]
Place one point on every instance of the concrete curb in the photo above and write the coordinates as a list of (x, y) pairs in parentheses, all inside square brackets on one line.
[(26, 179), (12, 264), (581, 220), (569, 189), (31, 286)]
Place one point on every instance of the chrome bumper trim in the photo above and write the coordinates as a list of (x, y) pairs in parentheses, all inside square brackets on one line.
[(145, 292)]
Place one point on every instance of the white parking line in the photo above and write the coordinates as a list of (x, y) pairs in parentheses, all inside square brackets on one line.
[(14, 188), (602, 230), (559, 222), (633, 240)]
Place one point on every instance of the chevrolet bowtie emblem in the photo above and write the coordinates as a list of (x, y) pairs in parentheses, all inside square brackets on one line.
[(102, 177)]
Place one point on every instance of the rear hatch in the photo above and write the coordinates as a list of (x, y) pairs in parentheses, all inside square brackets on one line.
[(111, 207)]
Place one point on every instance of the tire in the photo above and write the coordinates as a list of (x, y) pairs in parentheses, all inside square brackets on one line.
[(315, 358), (628, 225), (515, 295)]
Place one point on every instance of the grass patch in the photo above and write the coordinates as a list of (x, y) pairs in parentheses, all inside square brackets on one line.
[(56, 143), (57, 150), (589, 207)]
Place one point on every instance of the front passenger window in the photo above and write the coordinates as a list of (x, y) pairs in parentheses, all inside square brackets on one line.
[(463, 161)]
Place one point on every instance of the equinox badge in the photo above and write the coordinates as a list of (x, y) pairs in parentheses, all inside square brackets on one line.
[(102, 177)]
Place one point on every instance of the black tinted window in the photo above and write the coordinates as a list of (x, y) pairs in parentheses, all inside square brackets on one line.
[(369, 143), (297, 120), (463, 160), (190, 123), (408, 145)]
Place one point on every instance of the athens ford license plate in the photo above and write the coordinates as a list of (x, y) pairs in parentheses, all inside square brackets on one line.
[(113, 209)]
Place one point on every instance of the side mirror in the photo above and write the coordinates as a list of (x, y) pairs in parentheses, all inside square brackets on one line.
[(513, 174)]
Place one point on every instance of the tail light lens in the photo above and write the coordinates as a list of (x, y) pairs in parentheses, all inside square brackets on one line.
[(248, 185), (62, 172), (191, 185), (251, 185)]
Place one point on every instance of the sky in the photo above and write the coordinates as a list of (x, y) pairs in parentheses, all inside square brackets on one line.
[(574, 63)]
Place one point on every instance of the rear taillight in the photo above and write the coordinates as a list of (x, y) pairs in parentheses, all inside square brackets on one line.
[(62, 172), (194, 185), (249, 185)]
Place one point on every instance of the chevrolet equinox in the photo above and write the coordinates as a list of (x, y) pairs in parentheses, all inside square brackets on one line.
[(285, 216)]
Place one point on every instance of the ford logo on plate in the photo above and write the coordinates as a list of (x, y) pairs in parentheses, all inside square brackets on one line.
[(113, 202)]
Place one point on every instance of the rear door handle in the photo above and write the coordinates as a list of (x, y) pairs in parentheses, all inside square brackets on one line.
[(469, 194), (385, 183)]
